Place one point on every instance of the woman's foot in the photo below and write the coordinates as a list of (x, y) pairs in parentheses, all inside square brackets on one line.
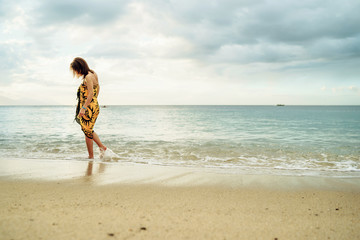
[(102, 152)]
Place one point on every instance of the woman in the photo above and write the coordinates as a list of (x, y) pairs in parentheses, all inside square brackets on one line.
[(88, 108)]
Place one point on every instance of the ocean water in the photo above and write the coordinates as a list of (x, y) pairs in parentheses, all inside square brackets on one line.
[(290, 140)]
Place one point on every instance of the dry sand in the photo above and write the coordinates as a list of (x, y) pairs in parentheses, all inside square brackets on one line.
[(83, 207)]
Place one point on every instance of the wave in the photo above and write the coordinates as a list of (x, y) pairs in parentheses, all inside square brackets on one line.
[(214, 154)]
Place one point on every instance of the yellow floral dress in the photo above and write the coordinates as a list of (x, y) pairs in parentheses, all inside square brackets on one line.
[(87, 121)]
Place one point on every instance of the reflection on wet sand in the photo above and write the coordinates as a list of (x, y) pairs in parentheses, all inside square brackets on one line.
[(89, 170)]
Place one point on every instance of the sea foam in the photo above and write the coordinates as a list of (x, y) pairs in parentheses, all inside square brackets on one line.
[(109, 155)]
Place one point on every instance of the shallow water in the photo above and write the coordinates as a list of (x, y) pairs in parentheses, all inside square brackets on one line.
[(291, 140)]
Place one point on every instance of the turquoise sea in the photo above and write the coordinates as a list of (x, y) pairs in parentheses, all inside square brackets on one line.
[(289, 140)]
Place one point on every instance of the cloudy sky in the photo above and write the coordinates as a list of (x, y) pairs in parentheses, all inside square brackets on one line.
[(182, 52)]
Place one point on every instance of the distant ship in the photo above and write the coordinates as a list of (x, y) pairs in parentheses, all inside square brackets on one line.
[(280, 105)]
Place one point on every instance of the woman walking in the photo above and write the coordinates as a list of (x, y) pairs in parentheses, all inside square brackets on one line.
[(88, 107)]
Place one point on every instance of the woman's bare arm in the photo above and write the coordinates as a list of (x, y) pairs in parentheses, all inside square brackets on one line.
[(97, 80), (89, 84)]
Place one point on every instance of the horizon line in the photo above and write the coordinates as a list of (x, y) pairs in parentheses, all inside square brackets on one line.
[(102, 105)]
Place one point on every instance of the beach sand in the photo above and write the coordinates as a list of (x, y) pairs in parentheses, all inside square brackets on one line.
[(80, 200)]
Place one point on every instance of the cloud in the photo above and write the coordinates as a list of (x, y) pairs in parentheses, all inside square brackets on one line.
[(334, 48), (273, 31), (308, 27), (6, 9), (8, 56), (354, 88), (341, 89), (262, 52), (158, 45), (302, 21), (11, 59), (81, 12)]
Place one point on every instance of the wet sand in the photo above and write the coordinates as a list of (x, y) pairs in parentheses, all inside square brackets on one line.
[(82, 200)]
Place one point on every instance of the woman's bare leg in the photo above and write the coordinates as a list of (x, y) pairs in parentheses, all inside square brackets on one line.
[(98, 142), (89, 145)]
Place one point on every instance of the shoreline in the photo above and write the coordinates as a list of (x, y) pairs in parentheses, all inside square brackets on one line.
[(79, 200), (140, 105), (105, 173)]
